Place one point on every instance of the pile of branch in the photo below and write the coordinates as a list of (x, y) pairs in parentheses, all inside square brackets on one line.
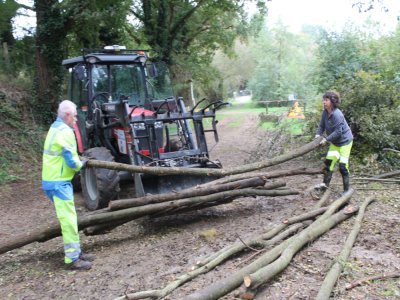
[(273, 252), (221, 191), (389, 178)]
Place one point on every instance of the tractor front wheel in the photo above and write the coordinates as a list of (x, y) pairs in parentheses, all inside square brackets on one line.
[(99, 186)]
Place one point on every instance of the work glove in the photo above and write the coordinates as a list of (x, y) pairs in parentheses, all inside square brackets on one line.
[(84, 161), (323, 142), (316, 136)]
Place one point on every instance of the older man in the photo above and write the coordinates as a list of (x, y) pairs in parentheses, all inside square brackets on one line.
[(60, 162)]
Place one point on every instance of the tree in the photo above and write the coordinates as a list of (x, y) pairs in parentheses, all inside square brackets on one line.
[(50, 36), (283, 64), (8, 10), (85, 23), (186, 34)]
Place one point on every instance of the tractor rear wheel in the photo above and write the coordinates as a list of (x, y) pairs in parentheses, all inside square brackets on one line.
[(99, 186)]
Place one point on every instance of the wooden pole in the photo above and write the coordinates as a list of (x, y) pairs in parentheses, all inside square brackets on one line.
[(162, 171)]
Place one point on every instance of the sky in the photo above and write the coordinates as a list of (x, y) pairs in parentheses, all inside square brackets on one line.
[(331, 14)]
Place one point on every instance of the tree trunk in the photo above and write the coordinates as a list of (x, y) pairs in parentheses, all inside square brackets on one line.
[(251, 182), (320, 226), (388, 175), (334, 273), (50, 36), (98, 229), (226, 285), (248, 192), (53, 229), (267, 174), (268, 238), (264, 274), (162, 171)]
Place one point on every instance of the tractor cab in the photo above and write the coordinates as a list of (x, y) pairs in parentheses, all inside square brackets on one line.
[(127, 112)]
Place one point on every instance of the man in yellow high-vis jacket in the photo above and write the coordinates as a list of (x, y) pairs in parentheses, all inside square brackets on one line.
[(60, 162)]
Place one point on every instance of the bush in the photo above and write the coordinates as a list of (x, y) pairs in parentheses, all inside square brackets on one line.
[(371, 105)]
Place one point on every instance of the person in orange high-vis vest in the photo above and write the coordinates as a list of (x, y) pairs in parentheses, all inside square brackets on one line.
[(60, 162)]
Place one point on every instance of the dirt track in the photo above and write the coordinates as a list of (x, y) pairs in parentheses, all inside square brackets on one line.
[(148, 254)]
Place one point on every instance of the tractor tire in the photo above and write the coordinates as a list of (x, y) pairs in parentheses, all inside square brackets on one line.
[(76, 182), (99, 186)]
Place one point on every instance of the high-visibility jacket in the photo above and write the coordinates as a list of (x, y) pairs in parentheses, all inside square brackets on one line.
[(60, 157)]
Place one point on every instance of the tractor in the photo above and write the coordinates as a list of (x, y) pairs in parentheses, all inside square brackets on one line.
[(127, 113)]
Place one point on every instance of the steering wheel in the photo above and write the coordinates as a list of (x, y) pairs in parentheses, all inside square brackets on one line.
[(104, 96)]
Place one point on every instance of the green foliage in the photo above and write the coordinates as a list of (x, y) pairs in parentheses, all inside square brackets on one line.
[(283, 65), (192, 29), (8, 10), (95, 24), (21, 60), (187, 34), (341, 56), (372, 106), (364, 69), (9, 115), (21, 143)]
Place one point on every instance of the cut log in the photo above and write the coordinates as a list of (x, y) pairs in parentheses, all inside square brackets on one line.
[(98, 229), (269, 238), (208, 267), (324, 199), (320, 226), (267, 174), (231, 282), (53, 230), (270, 233), (334, 273), (381, 180), (251, 182), (226, 285), (248, 192), (162, 171), (388, 175)]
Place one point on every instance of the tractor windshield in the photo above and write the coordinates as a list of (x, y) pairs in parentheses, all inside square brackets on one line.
[(158, 81), (122, 82), (131, 82)]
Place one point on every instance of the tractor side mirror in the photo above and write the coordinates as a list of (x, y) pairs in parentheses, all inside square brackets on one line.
[(152, 70), (79, 72)]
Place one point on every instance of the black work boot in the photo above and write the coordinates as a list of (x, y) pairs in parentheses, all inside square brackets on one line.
[(346, 177), (79, 264), (346, 182), (327, 178), (322, 187), (86, 256)]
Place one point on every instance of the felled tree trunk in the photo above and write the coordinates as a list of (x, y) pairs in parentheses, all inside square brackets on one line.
[(267, 174), (269, 238), (53, 229), (256, 279), (98, 229), (388, 175), (334, 273), (161, 171), (231, 282), (252, 182)]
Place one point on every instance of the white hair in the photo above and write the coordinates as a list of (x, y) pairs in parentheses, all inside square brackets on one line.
[(65, 107)]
